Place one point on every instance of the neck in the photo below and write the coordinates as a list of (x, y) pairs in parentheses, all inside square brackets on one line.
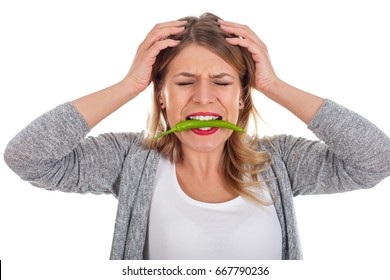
[(200, 177), (202, 164)]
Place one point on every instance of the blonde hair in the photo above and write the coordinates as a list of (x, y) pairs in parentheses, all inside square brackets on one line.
[(241, 162)]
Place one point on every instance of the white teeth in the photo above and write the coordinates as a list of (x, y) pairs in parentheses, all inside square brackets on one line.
[(203, 118), (205, 128)]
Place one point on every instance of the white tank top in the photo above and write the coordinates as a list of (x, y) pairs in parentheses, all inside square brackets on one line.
[(181, 228)]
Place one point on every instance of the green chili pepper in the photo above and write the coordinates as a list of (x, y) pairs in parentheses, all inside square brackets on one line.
[(191, 124)]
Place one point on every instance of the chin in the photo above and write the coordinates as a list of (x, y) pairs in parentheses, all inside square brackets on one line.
[(205, 148), (205, 145)]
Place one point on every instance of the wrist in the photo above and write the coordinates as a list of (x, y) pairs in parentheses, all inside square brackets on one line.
[(274, 88), (129, 87)]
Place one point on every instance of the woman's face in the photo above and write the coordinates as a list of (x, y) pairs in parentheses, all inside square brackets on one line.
[(201, 85)]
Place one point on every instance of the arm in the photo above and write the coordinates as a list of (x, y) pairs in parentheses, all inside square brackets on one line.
[(97, 106), (52, 151), (302, 104), (354, 152)]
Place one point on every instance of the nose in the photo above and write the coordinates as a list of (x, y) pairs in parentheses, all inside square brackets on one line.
[(204, 94)]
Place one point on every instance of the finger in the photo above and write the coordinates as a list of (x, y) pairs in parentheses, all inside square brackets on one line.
[(232, 24), (161, 45), (175, 23), (163, 30), (243, 43), (161, 35), (239, 30), (169, 26)]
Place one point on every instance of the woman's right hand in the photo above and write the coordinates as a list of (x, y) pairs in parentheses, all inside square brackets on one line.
[(98, 105), (139, 76)]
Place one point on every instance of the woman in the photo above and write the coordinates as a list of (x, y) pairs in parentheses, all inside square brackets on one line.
[(207, 193)]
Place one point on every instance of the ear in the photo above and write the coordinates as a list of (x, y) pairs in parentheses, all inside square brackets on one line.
[(161, 100), (241, 104)]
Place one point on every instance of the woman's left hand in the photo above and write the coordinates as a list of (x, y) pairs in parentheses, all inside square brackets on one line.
[(302, 104), (265, 75)]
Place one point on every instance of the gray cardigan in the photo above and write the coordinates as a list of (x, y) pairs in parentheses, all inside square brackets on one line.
[(53, 152)]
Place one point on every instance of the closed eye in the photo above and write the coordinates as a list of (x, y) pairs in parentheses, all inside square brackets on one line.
[(184, 83), (222, 84)]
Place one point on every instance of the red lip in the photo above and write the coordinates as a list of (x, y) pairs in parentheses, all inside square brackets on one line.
[(201, 132), (204, 132)]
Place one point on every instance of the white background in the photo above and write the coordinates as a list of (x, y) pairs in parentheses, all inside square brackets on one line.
[(55, 51)]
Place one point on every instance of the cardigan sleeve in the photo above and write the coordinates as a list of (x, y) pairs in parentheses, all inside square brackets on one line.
[(53, 152), (351, 153)]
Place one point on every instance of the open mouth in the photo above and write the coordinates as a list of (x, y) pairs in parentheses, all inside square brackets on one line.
[(197, 124), (204, 117)]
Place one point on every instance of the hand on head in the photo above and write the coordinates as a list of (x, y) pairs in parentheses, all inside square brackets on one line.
[(157, 39), (265, 75)]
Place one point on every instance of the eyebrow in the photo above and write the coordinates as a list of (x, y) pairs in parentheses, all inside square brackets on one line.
[(216, 76)]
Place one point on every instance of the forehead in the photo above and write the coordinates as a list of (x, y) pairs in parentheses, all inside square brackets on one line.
[(199, 60)]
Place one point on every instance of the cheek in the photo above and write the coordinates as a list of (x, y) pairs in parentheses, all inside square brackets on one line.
[(172, 97), (172, 114), (174, 106), (232, 105)]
